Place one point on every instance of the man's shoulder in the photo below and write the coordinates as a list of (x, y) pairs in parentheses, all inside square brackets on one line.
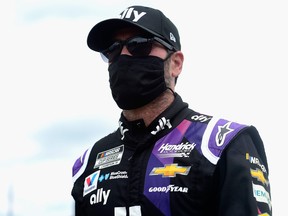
[(217, 133), (81, 163)]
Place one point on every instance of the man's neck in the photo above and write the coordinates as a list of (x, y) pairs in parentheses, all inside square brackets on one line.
[(150, 111)]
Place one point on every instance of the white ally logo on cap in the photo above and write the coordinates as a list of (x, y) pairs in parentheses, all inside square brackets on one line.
[(128, 12), (134, 16)]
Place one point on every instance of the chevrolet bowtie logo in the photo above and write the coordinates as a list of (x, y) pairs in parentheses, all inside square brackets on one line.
[(258, 174), (170, 170), (265, 214)]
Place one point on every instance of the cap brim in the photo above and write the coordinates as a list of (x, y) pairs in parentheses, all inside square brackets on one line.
[(101, 35)]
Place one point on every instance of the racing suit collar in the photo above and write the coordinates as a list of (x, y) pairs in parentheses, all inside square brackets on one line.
[(163, 122)]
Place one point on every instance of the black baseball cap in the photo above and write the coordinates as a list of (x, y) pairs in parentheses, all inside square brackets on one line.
[(150, 20)]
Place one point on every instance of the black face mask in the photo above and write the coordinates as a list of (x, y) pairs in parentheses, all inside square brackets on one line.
[(136, 81)]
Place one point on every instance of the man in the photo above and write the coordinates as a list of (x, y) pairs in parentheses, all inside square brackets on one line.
[(165, 158)]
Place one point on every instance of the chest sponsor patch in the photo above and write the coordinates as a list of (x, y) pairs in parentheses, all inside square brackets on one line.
[(169, 188), (90, 183), (170, 170), (101, 196), (109, 157), (175, 150)]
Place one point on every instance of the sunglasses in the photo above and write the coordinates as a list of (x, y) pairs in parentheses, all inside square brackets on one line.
[(137, 46)]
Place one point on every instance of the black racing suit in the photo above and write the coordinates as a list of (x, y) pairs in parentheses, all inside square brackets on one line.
[(184, 163)]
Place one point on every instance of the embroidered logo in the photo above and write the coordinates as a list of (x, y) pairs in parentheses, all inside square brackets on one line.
[(122, 130), (129, 12), (90, 183), (170, 170), (109, 157), (161, 126), (258, 174), (175, 150), (222, 133)]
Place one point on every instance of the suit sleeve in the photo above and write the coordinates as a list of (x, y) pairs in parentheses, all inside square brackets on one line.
[(242, 177), (78, 210)]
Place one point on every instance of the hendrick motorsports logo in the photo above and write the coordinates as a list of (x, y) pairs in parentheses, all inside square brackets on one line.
[(175, 150), (109, 158)]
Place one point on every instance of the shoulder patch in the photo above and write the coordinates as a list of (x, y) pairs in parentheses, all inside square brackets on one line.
[(218, 134), (80, 165)]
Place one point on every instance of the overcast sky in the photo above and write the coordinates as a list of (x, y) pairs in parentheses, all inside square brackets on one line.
[(56, 101)]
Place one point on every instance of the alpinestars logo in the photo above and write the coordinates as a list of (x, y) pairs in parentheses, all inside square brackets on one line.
[(161, 126), (222, 133)]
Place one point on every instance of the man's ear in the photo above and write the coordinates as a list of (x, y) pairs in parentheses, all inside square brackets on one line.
[(176, 63)]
